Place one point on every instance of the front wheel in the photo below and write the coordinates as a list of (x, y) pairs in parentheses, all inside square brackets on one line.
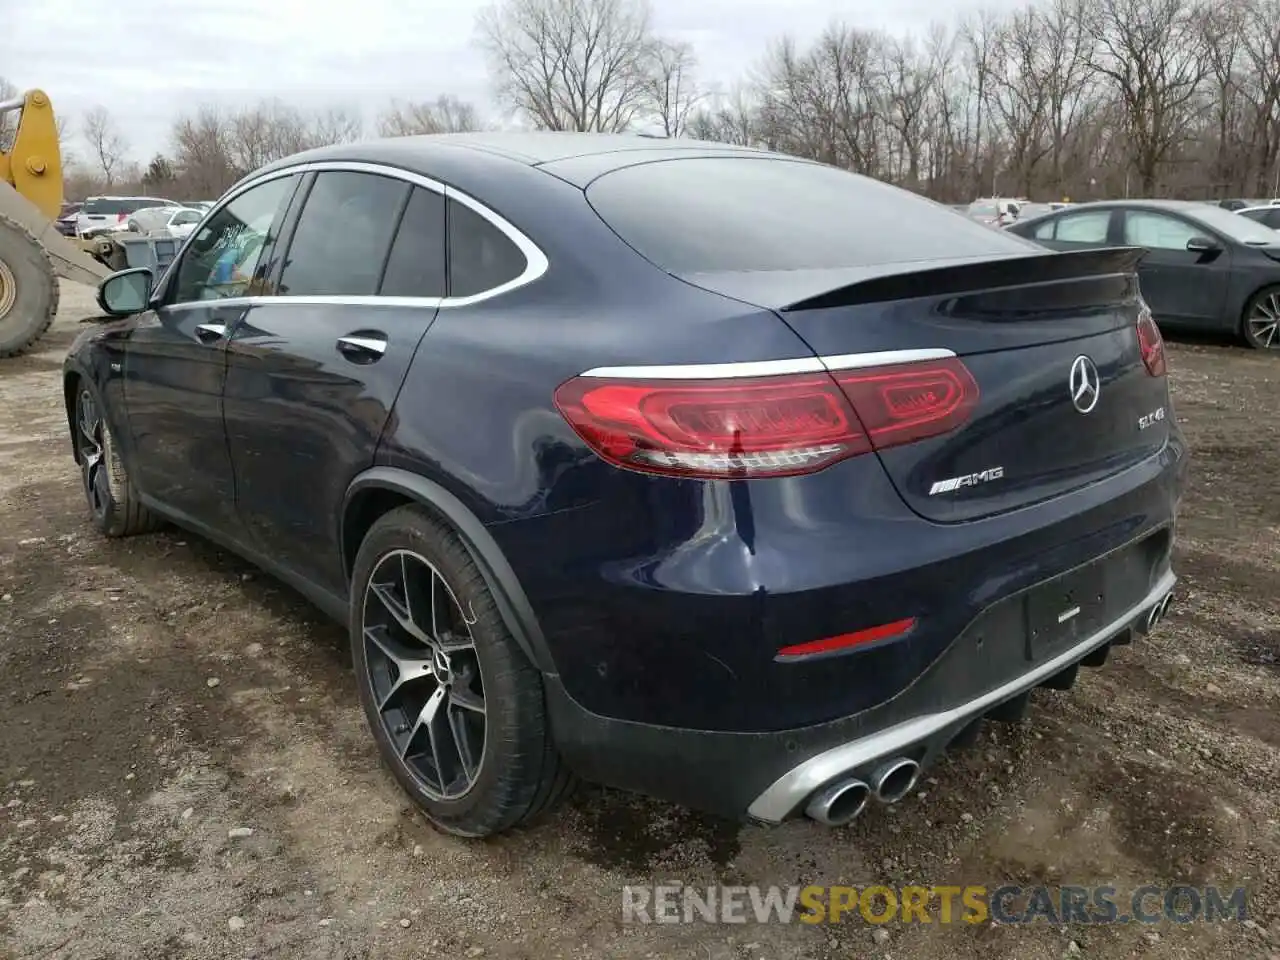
[(455, 707), (113, 501), (1259, 326)]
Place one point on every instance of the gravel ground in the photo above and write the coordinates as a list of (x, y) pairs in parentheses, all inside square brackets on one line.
[(184, 771)]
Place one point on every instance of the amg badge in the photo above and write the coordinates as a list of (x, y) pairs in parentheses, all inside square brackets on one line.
[(968, 480)]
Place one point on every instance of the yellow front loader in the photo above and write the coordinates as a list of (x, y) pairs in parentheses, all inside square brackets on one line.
[(32, 252)]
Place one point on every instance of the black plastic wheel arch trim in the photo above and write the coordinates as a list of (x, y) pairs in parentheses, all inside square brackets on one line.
[(501, 579)]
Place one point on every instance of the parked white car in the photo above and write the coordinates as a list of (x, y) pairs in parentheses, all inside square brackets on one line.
[(173, 221), (99, 212)]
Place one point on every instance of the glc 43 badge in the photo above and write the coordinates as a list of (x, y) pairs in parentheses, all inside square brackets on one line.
[(1151, 419)]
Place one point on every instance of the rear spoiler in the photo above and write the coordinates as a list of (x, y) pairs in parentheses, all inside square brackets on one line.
[(900, 281)]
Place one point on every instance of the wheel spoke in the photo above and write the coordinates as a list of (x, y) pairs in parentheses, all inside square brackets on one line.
[(409, 666), (462, 743), (385, 593), (466, 699), (425, 721)]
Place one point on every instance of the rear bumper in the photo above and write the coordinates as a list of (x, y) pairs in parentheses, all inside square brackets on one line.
[(768, 777), (931, 733)]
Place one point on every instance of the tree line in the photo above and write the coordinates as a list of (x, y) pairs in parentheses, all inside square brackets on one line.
[(1064, 98)]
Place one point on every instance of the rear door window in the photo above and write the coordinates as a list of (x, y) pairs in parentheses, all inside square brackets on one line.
[(416, 266), (744, 213), (343, 236)]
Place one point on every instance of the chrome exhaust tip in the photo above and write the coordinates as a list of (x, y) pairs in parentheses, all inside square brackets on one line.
[(1157, 612), (839, 803), (894, 780)]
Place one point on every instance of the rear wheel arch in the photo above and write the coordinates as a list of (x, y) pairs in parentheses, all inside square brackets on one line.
[(381, 489)]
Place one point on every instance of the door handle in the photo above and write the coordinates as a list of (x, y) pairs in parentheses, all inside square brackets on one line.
[(208, 332), (362, 348)]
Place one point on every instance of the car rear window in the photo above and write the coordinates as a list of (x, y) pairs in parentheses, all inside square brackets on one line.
[(702, 215)]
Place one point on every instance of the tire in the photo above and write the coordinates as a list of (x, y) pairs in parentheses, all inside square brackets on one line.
[(28, 289), (1257, 329), (519, 774), (112, 498)]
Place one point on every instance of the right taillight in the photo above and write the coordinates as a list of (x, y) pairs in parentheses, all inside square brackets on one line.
[(1151, 343), (764, 426)]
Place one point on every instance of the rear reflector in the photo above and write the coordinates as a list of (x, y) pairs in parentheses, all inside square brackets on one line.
[(1151, 343), (765, 426), (847, 640)]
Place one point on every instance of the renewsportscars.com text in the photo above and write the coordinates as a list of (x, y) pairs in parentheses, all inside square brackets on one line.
[(973, 904)]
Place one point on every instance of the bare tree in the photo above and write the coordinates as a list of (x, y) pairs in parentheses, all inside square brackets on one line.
[(107, 145), (445, 114), (569, 64), (1069, 86), (909, 84), (671, 86), (1020, 93), (202, 152), (336, 125), (731, 118), (1153, 53)]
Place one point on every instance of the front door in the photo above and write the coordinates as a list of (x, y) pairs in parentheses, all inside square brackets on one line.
[(176, 361), (314, 371), (1182, 287)]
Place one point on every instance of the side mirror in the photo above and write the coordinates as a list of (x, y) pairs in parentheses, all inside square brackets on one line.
[(1202, 245), (127, 292)]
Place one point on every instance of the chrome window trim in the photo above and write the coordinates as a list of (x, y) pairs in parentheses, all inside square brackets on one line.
[(536, 262), (770, 368)]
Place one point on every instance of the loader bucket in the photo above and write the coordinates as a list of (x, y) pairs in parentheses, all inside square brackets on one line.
[(69, 261)]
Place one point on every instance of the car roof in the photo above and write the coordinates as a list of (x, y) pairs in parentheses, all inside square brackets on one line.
[(577, 157), (1189, 207)]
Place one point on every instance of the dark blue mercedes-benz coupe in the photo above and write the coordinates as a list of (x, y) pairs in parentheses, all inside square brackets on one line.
[(711, 473)]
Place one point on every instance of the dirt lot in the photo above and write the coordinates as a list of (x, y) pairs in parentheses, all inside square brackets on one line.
[(158, 694)]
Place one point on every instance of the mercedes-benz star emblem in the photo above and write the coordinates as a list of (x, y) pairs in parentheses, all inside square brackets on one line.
[(1084, 384)]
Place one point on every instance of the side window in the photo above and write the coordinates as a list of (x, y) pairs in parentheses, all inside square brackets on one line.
[(1046, 230), (184, 217), (223, 257), (1272, 218), (341, 241), (416, 265), (1085, 227), (1157, 231), (481, 256)]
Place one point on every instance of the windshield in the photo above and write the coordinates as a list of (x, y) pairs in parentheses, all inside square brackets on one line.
[(983, 210), (1237, 227)]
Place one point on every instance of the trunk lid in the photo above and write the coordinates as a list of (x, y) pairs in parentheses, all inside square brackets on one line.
[(1065, 399)]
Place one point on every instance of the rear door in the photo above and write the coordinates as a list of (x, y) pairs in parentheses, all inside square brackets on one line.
[(176, 358), (314, 371), (1183, 287)]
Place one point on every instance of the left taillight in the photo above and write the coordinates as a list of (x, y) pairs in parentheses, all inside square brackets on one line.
[(764, 426), (1151, 344)]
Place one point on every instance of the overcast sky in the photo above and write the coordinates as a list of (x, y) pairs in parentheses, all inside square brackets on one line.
[(147, 60)]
